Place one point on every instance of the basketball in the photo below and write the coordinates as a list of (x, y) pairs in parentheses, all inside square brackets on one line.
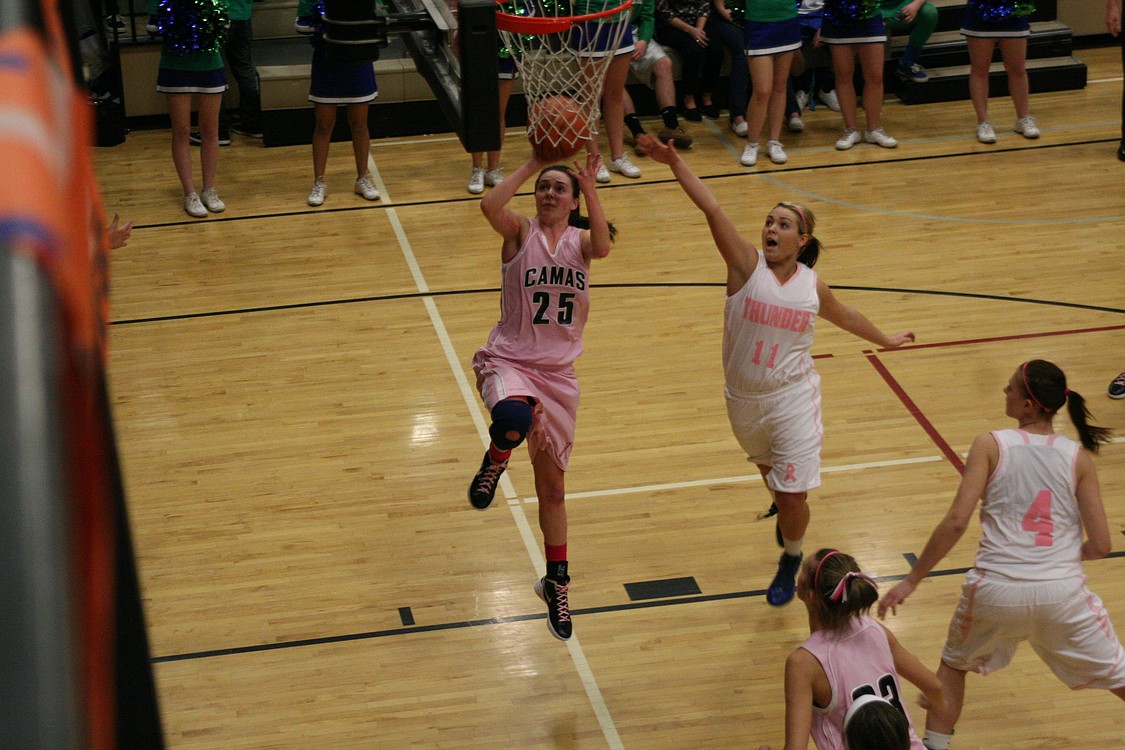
[(558, 128)]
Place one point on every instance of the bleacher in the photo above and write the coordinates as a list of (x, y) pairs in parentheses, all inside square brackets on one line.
[(407, 106)]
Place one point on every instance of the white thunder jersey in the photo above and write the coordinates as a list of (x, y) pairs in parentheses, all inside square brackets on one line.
[(1031, 529), (544, 302), (769, 330)]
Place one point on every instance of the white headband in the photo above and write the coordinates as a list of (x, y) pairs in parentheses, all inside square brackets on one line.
[(859, 703)]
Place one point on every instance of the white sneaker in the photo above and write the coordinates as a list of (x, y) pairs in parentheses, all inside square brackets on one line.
[(603, 174), (830, 100), (193, 206), (776, 152), (796, 124), (211, 200), (802, 101), (879, 137), (749, 155), (364, 187), (848, 139), (319, 190), (986, 133), (476, 181), (624, 166), (1026, 127), (493, 177), (740, 128)]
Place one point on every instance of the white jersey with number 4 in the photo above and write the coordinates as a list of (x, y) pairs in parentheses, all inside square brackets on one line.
[(769, 329), (1031, 529)]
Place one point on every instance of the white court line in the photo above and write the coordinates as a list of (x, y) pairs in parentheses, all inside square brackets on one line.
[(589, 683), (735, 480), (756, 477)]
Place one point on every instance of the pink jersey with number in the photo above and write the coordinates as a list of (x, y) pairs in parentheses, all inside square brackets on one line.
[(769, 329), (544, 302), (1031, 529), (857, 660)]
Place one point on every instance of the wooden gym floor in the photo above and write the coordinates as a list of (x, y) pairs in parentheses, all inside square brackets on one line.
[(298, 425)]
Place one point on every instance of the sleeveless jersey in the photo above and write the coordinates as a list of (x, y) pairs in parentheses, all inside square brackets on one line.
[(544, 302), (857, 659), (1031, 529), (768, 330)]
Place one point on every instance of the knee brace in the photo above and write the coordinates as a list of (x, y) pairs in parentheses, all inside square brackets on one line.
[(511, 415)]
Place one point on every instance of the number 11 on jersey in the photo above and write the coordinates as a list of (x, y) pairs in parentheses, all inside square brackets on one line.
[(758, 355)]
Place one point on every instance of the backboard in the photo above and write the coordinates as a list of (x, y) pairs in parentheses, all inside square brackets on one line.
[(460, 64)]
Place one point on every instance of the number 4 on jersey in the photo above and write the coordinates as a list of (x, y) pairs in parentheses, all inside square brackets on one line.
[(1038, 519)]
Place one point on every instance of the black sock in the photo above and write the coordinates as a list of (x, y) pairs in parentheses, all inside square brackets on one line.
[(556, 570), (634, 124), (668, 114)]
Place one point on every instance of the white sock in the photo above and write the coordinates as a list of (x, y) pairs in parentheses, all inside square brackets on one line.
[(936, 740), (793, 547)]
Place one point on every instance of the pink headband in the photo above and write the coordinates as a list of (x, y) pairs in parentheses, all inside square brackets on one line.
[(819, 565), (840, 593), (804, 220), (1027, 387)]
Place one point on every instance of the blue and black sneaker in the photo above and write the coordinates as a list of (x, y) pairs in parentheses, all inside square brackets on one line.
[(784, 585)]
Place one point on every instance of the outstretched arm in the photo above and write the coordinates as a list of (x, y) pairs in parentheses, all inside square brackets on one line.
[(740, 255), (1089, 495), (507, 223), (909, 666), (982, 460), (596, 242), (853, 321)]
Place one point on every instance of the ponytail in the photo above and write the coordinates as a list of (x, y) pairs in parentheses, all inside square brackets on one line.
[(842, 590), (1045, 385)]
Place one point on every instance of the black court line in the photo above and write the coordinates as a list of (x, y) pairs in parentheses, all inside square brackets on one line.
[(636, 183), (654, 285), (437, 627)]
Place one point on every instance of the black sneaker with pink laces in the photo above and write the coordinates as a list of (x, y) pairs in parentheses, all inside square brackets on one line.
[(556, 595), (483, 487)]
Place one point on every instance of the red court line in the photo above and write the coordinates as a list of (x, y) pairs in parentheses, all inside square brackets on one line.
[(928, 426), (1014, 337)]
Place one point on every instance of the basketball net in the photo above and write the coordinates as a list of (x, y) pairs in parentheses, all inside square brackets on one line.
[(563, 55)]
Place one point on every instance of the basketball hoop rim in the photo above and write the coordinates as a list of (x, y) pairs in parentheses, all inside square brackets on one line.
[(539, 25)]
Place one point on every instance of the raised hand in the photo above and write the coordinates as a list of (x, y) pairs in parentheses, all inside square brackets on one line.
[(587, 173), (665, 153)]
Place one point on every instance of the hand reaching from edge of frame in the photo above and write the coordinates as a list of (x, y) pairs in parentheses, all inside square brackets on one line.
[(119, 233)]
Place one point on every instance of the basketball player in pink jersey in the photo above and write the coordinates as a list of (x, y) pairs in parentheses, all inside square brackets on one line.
[(525, 373), (1040, 492), (772, 390), (848, 659)]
